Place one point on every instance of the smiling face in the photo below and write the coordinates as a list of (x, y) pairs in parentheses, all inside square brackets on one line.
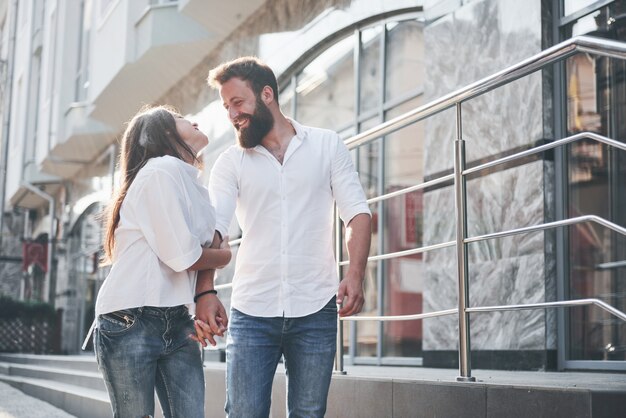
[(190, 134), (247, 112)]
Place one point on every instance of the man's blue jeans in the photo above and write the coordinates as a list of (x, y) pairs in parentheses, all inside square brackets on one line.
[(254, 348), (145, 348)]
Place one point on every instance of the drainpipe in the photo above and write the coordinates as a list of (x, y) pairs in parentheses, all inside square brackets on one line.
[(48, 290), (6, 117)]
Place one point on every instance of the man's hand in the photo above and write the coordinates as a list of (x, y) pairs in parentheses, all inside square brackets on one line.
[(211, 319), (350, 294)]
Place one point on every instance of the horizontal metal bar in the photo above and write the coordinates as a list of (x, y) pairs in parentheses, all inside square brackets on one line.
[(528, 66), (611, 265), (223, 286), (404, 253), (545, 147), (10, 259), (549, 225), (400, 317), (400, 192), (543, 305), (235, 242)]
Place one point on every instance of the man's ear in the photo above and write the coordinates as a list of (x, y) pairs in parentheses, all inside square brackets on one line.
[(267, 95)]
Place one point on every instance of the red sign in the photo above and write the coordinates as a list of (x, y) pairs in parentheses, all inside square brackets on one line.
[(34, 253)]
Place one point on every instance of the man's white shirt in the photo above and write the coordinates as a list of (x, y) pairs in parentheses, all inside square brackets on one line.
[(285, 264)]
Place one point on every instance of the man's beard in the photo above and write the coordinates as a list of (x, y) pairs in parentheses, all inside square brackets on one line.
[(259, 124)]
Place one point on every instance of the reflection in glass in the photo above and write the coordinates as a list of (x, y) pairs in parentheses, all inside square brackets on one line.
[(369, 71), (286, 100), (573, 6), (367, 166), (404, 62), (596, 102), (325, 88), (403, 229)]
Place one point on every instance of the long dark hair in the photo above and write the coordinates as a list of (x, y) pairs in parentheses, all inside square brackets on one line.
[(150, 133)]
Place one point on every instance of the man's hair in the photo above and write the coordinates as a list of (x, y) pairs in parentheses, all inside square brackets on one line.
[(250, 69)]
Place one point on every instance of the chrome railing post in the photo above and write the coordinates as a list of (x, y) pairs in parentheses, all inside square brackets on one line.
[(460, 202), (338, 253)]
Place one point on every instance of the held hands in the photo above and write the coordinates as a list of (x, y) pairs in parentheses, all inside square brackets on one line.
[(211, 320), (350, 294)]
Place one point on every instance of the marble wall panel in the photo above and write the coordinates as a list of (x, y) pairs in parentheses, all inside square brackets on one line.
[(476, 40), (502, 271)]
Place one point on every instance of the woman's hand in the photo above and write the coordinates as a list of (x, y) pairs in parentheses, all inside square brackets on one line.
[(211, 320)]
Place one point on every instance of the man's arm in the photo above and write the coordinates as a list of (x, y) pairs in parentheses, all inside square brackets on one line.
[(358, 238)]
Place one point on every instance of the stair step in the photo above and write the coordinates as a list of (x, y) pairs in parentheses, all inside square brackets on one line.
[(85, 363), (75, 400), (91, 380)]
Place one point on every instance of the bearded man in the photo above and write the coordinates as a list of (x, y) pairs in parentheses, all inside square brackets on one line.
[(282, 180)]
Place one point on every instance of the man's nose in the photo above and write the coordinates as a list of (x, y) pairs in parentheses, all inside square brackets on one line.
[(233, 113)]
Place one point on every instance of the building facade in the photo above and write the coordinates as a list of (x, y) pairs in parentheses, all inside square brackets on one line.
[(77, 70)]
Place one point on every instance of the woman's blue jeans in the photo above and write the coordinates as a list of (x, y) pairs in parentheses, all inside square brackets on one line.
[(142, 349), (254, 348)]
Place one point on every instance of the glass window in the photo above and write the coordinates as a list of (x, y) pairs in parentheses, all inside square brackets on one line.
[(369, 70), (325, 88), (403, 228), (286, 100), (405, 67), (82, 66), (596, 102), (572, 6), (368, 168)]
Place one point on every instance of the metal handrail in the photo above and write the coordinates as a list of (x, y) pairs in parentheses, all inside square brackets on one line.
[(528, 66), (576, 302), (584, 44), (410, 317), (565, 303), (545, 147), (549, 225)]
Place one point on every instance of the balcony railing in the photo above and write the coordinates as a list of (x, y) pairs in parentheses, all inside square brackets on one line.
[(582, 44)]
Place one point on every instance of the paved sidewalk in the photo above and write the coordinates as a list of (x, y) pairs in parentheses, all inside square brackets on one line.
[(16, 404)]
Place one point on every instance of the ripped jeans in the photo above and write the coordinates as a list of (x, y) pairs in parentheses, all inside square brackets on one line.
[(142, 349)]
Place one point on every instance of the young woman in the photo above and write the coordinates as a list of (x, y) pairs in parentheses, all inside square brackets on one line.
[(159, 229)]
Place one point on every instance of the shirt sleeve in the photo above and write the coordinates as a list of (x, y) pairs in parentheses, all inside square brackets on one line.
[(224, 189), (162, 214), (346, 186)]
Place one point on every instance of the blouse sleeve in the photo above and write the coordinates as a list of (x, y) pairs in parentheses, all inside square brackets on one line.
[(223, 189), (161, 212)]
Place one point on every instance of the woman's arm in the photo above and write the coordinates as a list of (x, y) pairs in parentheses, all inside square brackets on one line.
[(211, 318), (211, 258)]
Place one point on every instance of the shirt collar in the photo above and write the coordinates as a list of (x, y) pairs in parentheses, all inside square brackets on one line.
[(191, 170), (301, 133)]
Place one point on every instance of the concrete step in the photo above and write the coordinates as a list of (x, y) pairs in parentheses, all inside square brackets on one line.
[(364, 392), (75, 400), (71, 383), (85, 363), (90, 380)]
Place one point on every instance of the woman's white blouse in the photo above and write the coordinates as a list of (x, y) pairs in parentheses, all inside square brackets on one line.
[(165, 218)]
